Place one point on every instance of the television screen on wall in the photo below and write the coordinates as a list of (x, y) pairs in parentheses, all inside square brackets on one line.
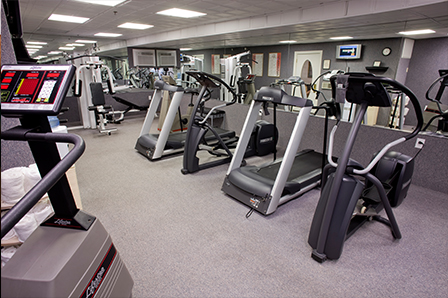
[(348, 51)]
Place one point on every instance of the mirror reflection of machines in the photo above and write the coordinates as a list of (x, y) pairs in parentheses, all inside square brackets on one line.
[(246, 87), (233, 70), (435, 110), (71, 254), (352, 194), (96, 102)]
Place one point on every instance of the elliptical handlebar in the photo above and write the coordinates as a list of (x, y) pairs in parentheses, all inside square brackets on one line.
[(209, 80), (441, 78), (405, 90), (417, 129)]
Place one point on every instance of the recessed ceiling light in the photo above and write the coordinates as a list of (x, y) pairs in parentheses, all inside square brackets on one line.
[(35, 42), (416, 32), (85, 41), (54, 52), (103, 2), (33, 47), (185, 49), (108, 34), (68, 19), (181, 13), (67, 48), (135, 26), (40, 57), (75, 45), (287, 41), (341, 37), (32, 51)]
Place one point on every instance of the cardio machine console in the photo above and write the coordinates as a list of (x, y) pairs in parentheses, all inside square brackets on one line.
[(34, 89)]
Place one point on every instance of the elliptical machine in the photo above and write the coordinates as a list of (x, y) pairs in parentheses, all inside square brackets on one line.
[(262, 139), (71, 254), (346, 201), (440, 114)]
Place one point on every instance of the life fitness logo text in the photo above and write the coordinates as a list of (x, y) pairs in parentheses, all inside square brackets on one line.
[(100, 274)]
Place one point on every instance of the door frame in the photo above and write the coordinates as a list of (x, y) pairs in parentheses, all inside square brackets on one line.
[(315, 57)]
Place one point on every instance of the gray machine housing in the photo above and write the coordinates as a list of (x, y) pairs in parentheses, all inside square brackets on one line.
[(87, 265)]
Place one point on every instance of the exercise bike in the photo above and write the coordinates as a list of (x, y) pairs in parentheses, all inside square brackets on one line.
[(352, 194)]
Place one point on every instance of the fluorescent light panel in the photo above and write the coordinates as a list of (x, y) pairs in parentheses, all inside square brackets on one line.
[(135, 26), (185, 49), (181, 13), (103, 2), (85, 41), (36, 42), (68, 19), (341, 37), (75, 45), (67, 48), (417, 32), (33, 47), (104, 34), (287, 41)]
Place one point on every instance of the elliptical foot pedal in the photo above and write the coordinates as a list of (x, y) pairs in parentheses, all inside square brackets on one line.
[(317, 256)]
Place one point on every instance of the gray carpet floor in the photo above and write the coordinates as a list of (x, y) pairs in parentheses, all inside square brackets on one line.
[(180, 236)]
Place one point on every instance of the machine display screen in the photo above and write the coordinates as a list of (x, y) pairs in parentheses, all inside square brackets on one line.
[(348, 51), (38, 89)]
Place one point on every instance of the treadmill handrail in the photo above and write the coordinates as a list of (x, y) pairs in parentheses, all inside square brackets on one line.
[(162, 85), (278, 96), (10, 219)]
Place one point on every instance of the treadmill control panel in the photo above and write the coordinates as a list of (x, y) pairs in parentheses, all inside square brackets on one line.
[(34, 89)]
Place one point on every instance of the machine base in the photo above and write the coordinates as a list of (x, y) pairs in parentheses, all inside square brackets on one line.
[(57, 262)]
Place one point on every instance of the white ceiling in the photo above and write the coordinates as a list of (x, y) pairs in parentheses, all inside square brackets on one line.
[(230, 23)]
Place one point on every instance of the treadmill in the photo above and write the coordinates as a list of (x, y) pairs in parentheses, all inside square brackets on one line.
[(264, 188), (155, 146)]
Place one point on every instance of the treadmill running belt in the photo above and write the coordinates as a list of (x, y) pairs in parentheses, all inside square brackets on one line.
[(306, 170), (177, 140), (307, 162)]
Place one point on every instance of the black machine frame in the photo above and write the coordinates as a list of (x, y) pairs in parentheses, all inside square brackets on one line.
[(334, 220)]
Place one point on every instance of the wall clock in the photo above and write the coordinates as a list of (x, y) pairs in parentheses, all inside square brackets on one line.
[(386, 51)]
